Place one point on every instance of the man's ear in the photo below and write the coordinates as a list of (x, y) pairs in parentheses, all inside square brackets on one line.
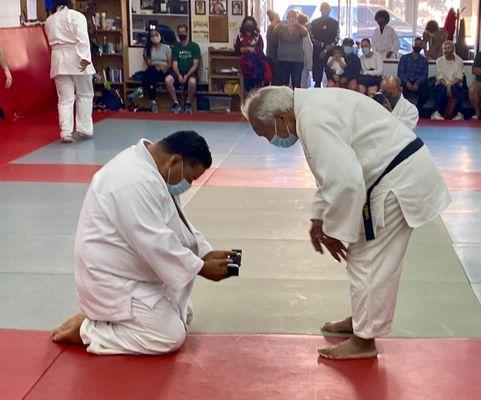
[(175, 159)]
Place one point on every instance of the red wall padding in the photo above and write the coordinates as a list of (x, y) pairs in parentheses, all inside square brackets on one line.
[(28, 56)]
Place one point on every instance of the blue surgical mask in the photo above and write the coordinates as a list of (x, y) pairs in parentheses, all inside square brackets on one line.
[(178, 188), (347, 50), (283, 142), (366, 50)]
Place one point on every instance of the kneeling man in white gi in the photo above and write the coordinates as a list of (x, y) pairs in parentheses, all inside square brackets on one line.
[(136, 255), (376, 182)]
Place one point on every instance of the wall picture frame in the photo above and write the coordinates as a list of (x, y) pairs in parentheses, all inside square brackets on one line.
[(218, 7), (237, 8), (200, 7)]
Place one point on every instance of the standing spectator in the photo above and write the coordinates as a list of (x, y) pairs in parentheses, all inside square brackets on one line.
[(250, 47), (290, 54), (346, 67), (475, 89), (307, 47), (372, 67), (385, 39), (185, 64), (433, 38), (271, 40), (413, 73), (324, 32), (6, 70), (449, 77), (158, 57)]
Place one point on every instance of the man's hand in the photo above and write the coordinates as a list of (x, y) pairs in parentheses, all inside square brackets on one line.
[(415, 87), (328, 47), (448, 91), (8, 79), (409, 85), (181, 79), (215, 269), (389, 54), (319, 239), (218, 255), (322, 54), (83, 65), (343, 81), (336, 78)]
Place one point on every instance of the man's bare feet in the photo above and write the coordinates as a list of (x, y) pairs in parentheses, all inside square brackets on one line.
[(344, 326), (352, 348), (69, 332)]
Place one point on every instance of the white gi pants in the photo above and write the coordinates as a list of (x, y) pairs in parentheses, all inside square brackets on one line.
[(158, 330), (305, 78), (374, 270), (76, 89)]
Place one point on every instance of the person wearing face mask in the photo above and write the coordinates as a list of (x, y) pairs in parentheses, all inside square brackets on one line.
[(350, 72), (158, 57), (433, 39), (250, 48), (136, 254), (393, 100), (372, 67), (324, 33), (413, 73), (385, 39), (376, 181), (449, 78)]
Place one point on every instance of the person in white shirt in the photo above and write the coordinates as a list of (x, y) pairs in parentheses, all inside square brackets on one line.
[(385, 39), (449, 78), (391, 97), (372, 67), (136, 254), (354, 146), (308, 48), (71, 69)]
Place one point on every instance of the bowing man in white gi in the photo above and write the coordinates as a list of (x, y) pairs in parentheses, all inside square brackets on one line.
[(71, 69), (393, 100), (136, 255), (384, 38), (350, 142)]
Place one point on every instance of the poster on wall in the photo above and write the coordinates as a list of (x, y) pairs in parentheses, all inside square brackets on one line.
[(237, 8), (199, 7), (218, 29), (218, 7), (200, 29)]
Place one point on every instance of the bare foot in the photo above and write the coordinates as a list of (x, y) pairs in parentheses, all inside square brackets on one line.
[(344, 326), (69, 332), (352, 348)]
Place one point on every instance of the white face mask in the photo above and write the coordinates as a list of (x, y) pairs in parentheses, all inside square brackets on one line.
[(155, 39)]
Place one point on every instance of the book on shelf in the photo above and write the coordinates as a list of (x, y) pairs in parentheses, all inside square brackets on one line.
[(113, 75)]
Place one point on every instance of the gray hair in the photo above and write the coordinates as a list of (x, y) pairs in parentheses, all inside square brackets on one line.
[(265, 103), (390, 78)]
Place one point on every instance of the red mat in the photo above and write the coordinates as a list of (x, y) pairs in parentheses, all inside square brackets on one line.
[(253, 367)]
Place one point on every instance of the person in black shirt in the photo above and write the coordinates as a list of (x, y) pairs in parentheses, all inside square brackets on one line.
[(324, 33)]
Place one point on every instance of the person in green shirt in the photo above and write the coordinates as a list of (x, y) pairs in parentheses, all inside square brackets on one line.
[(475, 89), (185, 66)]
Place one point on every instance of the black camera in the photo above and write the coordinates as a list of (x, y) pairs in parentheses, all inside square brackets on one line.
[(236, 260)]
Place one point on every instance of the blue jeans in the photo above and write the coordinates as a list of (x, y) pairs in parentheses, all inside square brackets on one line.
[(290, 70), (442, 97)]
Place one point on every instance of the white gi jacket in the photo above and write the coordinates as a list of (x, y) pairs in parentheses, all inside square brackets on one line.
[(386, 41), (131, 242), (406, 112), (348, 141), (67, 34)]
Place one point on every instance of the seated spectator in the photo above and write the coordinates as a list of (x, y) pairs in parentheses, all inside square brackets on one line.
[(290, 53), (158, 57), (372, 67), (475, 89), (250, 47), (449, 78), (343, 67), (384, 38), (413, 73), (307, 47), (394, 101), (185, 64), (433, 38)]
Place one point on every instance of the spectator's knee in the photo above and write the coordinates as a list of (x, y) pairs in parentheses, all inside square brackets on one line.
[(169, 80), (192, 81)]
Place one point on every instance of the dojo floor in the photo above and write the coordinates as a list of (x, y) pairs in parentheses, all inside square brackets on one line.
[(254, 336)]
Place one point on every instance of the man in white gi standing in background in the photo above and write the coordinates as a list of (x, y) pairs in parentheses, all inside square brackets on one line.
[(71, 69), (136, 255), (376, 182)]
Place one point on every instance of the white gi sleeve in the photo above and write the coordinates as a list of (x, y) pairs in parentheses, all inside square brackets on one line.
[(80, 29), (203, 245)]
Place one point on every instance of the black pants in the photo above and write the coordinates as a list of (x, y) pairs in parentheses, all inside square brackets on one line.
[(251, 83), (422, 95), (150, 80), (290, 70), (318, 66)]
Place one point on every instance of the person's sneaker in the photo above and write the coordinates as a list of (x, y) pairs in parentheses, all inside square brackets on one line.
[(475, 117), (188, 108), (458, 117), (67, 139), (175, 108), (437, 116), (136, 94), (153, 107)]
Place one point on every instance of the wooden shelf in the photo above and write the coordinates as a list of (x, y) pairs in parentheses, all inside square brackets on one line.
[(160, 15), (228, 58), (111, 83), (219, 76), (107, 31), (112, 55)]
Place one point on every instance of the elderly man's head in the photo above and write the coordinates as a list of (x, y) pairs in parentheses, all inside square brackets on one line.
[(448, 49), (391, 88), (270, 111), (325, 9)]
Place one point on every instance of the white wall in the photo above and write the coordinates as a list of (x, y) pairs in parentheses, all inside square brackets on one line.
[(9, 13)]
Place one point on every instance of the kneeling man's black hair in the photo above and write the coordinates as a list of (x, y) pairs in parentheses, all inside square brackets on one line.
[(190, 145)]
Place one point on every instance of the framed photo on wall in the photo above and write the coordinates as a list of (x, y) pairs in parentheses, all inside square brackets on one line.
[(199, 7), (218, 7), (147, 4), (237, 8)]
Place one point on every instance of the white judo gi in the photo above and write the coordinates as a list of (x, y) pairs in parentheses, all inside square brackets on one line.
[(406, 112), (347, 148), (67, 34), (386, 41), (135, 260)]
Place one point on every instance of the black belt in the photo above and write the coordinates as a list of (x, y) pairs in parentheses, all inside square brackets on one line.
[(408, 151)]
